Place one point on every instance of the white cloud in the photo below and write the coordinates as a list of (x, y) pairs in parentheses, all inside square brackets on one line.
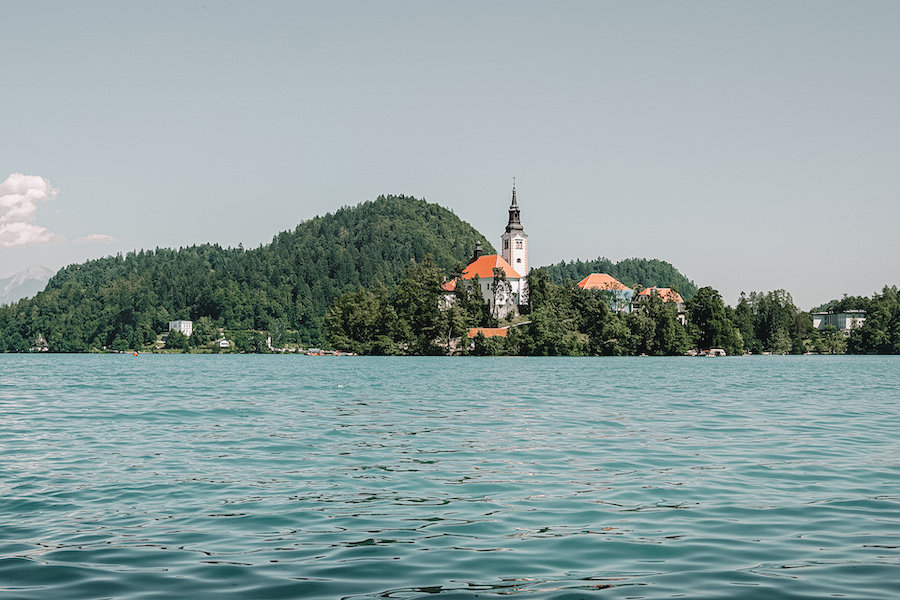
[(96, 238), (19, 196), (23, 234)]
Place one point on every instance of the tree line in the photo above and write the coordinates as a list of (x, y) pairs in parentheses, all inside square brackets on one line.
[(287, 285), (564, 320)]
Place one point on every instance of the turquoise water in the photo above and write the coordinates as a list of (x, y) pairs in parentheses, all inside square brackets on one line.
[(184, 476)]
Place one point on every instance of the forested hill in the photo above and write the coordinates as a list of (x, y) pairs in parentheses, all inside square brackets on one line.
[(288, 284), (644, 272)]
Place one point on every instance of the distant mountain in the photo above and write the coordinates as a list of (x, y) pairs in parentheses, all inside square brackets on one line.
[(288, 284), (644, 272), (24, 284)]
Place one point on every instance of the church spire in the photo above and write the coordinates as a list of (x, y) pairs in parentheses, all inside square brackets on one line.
[(515, 243), (515, 222)]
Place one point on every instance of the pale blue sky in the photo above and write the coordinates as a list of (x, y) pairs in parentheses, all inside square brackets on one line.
[(754, 145)]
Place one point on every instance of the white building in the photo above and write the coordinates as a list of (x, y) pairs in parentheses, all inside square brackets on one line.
[(844, 321), (185, 327), (501, 286), (501, 278)]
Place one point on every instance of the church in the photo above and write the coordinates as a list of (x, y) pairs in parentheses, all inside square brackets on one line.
[(501, 277)]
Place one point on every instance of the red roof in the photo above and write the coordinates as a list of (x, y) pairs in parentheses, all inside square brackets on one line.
[(667, 294), (488, 331), (449, 286), (484, 267), (601, 281)]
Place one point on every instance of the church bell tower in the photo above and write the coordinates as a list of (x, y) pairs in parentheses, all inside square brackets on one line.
[(514, 241)]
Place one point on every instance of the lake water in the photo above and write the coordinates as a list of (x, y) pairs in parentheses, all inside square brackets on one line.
[(187, 476)]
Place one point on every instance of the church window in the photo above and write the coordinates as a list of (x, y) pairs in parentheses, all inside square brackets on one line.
[(506, 244), (518, 260), (518, 244)]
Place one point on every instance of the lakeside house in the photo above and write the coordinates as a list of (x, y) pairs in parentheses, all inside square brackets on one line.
[(185, 327), (40, 344), (842, 321), (620, 294), (448, 294), (666, 295)]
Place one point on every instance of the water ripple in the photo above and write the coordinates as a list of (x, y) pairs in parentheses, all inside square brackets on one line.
[(286, 477)]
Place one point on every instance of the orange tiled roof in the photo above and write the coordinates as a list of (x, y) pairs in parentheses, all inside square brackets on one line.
[(601, 281), (667, 294), (484, 268), (487, 331), (449, 286)]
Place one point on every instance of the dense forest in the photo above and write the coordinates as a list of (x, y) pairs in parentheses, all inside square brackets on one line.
[(633, 272), (124, 301)]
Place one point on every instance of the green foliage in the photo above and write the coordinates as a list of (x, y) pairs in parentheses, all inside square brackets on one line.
[(710, 324), (204, 332), (12, 341), (174, 341), (415, 300), (249, 341), (770, 322), (593, 318), (880, 334), (830, 341), (492, 346), (846, 303), (553, 327), (551, 333), (360, 320), (405, 320), (633, 272), (470, 302), (286, 285), (666, 335)]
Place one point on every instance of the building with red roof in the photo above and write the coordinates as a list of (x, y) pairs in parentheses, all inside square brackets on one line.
[(486, 266), (620, 295), (601, 281), (487, 332), (665, 294)]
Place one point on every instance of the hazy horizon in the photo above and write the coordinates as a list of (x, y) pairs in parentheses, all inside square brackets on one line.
[(752, 145)]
